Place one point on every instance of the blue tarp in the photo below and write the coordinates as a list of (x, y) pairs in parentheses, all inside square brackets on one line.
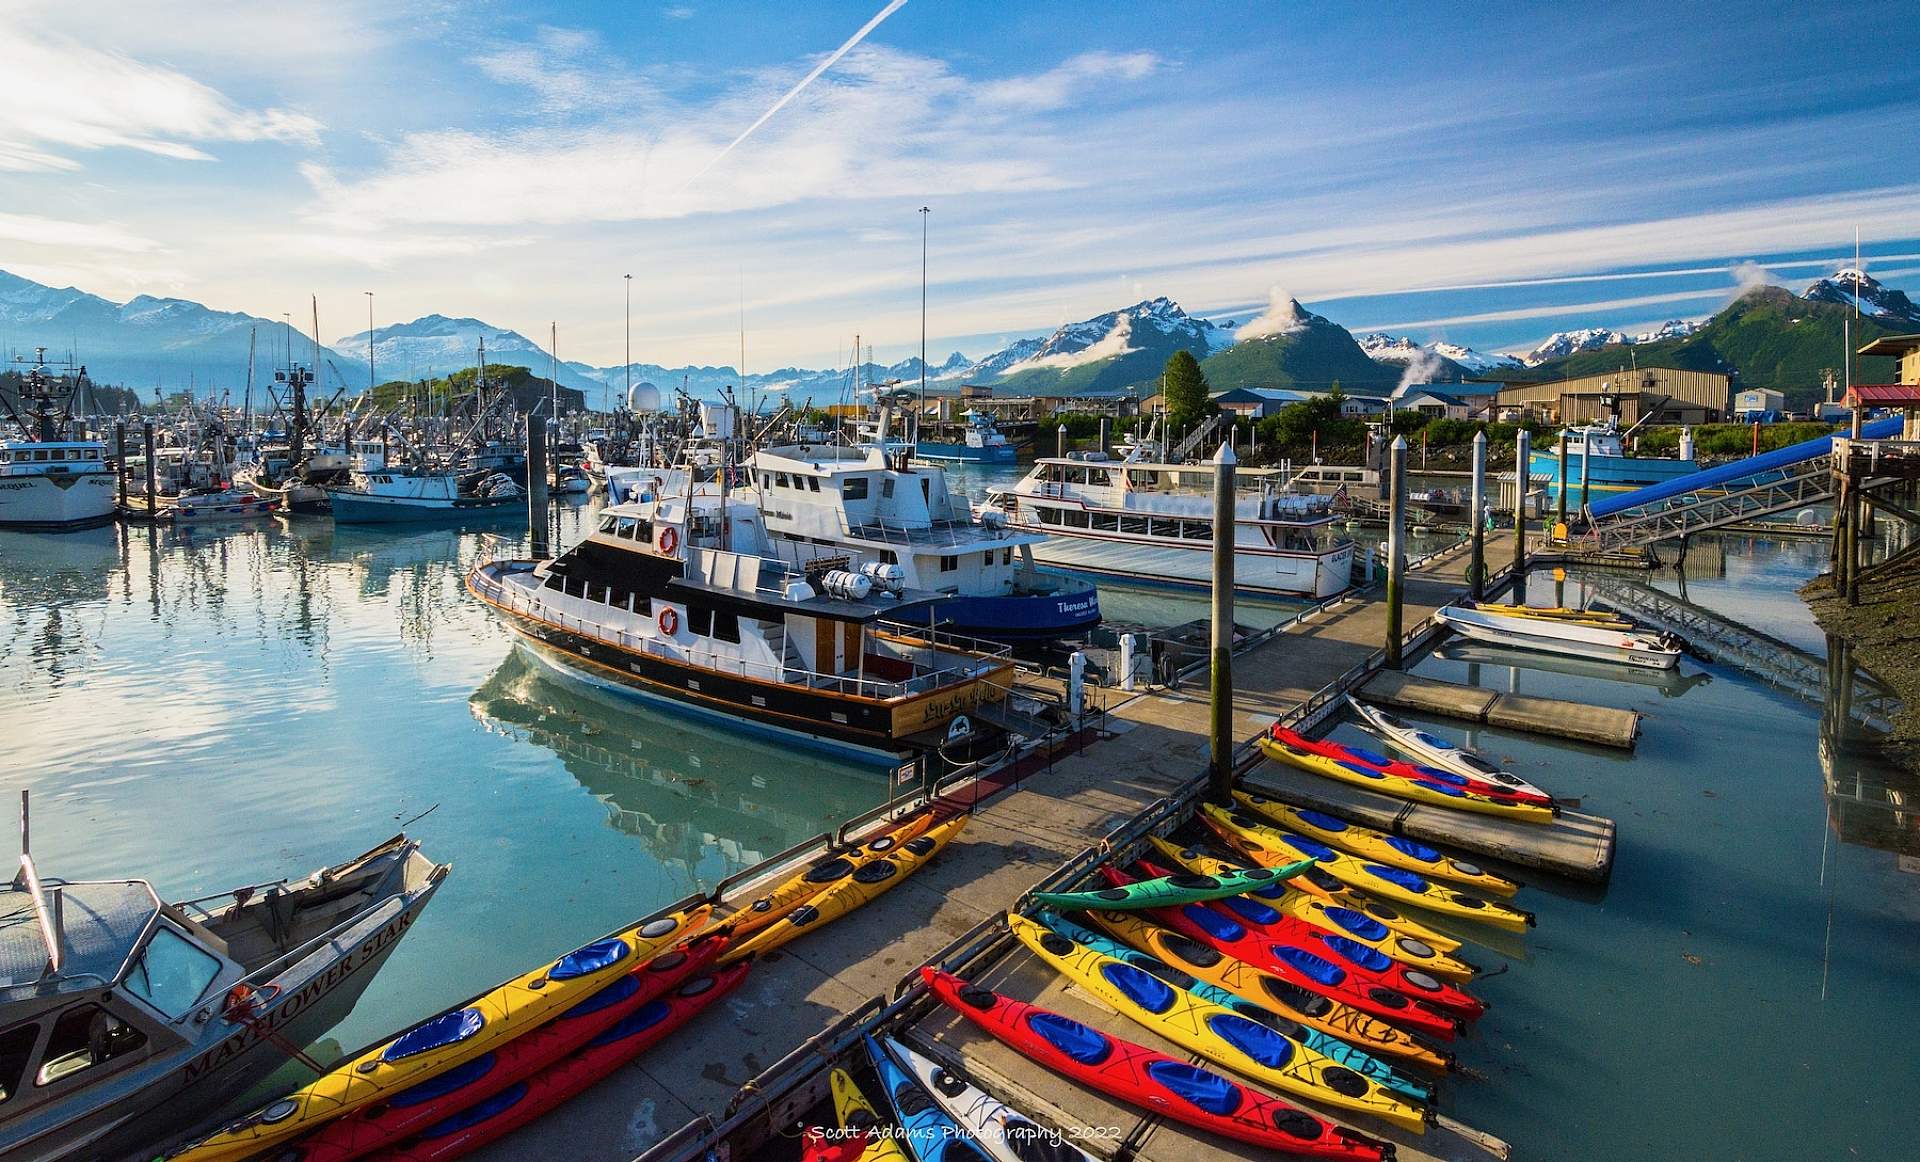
[(1752, 466)]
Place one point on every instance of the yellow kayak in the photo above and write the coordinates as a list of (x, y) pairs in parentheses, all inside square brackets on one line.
[(1261, 843), (1381, 781), (875, 876), (1338, 919), (1599, 617), (1378, 846), (436, 1045), (854, 1112), (1258, 986), (823, 873), (1228, 1039)]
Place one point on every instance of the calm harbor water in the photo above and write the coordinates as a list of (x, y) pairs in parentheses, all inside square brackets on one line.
[(212, 709)]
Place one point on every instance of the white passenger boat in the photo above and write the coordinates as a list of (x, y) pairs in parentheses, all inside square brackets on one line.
[(1153, 523), (899, 523), (1434, 751), (47, 481), (1636, 646)]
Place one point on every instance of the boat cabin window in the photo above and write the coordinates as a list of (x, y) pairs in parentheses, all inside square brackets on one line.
[(1136, 525), (1106, 522), (83, 1037), (1076, 518), (949, 564), (813, 483), (889, 557), (726, 626), (16, 1049), (780, 478), (172, 974), (854, 488), (886, 488), (699, 621)]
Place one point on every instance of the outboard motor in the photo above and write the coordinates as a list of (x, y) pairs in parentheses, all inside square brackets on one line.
[(846, 586)]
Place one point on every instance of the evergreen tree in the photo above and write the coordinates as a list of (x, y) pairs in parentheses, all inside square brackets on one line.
[(1186, 390)]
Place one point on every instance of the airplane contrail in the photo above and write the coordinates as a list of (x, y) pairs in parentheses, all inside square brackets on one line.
[(892, 7)]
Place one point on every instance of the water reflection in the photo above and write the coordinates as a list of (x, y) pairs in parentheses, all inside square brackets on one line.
[(1500, 668), (1872, 801), (691, 794)]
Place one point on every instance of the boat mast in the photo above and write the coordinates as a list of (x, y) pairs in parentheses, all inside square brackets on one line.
[(246, 413)]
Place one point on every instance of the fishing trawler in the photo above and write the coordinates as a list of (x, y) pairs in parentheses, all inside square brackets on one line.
[(126, 1021), (1153, 523), (1598, 465), (377, 492), (679, 600), (980, 442), (873, 511), (47, 481)]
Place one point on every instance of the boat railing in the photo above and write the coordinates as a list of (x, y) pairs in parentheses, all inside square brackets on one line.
[(951, 532), (932, 652)]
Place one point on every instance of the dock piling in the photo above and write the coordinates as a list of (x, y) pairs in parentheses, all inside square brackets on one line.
[(537, 483), (1477, 516), (1560, 506), (153, 500), (1220, 733), (120, 461), (1060, 441), (1396, 549), (1106, 435), (1523, 449)]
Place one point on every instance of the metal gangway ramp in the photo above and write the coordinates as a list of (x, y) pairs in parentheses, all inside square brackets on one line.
[(1721, 639), (1772, 482)]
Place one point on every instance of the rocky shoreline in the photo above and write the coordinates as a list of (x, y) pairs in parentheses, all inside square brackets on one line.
[(1884, 630)]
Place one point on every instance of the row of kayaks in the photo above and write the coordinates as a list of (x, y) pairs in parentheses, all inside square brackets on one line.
[(1309, 985), (1436, 771), (472, 1074)]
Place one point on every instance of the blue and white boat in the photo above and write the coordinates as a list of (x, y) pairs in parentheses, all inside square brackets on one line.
[(377, 492), (899, 523), (981, 442), (1598, 465)]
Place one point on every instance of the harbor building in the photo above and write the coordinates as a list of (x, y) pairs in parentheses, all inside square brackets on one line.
[(1660, 395), (1904, 395), (1759, 403)]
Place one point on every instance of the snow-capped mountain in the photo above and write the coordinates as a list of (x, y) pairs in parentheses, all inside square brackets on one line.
[(149, 342), (434, 345), (1564, 343), (1875, 299), (1402, 350), (1671, 329), (1154, 323)]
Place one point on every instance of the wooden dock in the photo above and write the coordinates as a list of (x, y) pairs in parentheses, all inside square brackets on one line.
[(791, 1017), (1603, 725)]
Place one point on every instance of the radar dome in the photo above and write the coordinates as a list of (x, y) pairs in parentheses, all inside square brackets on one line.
[(643, 397)]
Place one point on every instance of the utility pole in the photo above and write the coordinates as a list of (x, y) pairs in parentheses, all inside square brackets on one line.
[(370, 379), (605, 403), (924, 211)]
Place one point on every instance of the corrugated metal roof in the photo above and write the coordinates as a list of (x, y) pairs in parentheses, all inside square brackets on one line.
[(1886, 394)]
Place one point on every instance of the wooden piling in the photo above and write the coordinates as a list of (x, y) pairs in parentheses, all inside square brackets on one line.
[(1220, 718)]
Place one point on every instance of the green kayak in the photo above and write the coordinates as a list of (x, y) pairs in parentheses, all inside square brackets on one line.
[(1172, 891)]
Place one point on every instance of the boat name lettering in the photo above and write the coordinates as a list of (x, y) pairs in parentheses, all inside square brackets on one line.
[(287, 1010)]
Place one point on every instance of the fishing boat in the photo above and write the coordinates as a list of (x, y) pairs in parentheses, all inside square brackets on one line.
[(125, 1021), (980, 441), (680, 600), (1153, 523), (1598, 464), (48, 481), (202, 505), (377, 492), (1632, 646), (900, 524)]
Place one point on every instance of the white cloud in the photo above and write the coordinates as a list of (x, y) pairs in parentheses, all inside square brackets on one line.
[(65, 95), (1055, 87), (1118, 341), (1282, 315), (37, 231), (677, 12)]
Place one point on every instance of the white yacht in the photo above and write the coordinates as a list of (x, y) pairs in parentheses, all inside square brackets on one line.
[(875, 513), (1153, 523), (49, 482)]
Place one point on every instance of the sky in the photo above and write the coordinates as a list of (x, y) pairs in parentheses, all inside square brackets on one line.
[(1487, 176)]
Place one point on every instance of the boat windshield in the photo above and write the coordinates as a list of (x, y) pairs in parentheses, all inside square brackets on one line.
[(172, 974)]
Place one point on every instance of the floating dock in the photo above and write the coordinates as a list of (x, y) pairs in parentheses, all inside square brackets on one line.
[(1048, 821), (1602, 725)]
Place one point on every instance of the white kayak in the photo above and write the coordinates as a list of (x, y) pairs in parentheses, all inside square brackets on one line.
[(1435, 751), (1004, 1133)]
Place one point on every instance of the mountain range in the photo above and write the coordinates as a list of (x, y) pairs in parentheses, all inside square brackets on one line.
[(1767, 337)]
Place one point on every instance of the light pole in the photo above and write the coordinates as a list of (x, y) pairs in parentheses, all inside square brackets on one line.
[(924, 211), (603, 398), (370, 379)]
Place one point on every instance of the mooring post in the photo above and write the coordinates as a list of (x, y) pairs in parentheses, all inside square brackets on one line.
[(1396, 548), (1523, 448), (1853, 533), (153, 498), (1220, 735), (120, 460), (1560, 507), (537, 483), (1060, 440), (1106, 435), (1477, 515), (1586, 462)]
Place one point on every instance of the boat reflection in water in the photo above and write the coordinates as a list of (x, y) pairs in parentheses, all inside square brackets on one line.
[(1671, 683), (705, 799)]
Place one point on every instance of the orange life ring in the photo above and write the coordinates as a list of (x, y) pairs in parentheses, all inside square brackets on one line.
[(669, 539), (669, 620)]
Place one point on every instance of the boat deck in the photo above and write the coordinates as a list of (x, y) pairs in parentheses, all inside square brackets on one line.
[(1155, 744)]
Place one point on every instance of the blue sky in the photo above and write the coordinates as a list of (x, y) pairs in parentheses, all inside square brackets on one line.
[(1391, 166)]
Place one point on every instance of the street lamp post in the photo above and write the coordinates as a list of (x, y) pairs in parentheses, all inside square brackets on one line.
[(924, 211), (629, 395), (370, 379)]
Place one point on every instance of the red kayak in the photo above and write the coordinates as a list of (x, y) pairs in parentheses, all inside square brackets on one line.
[(1153, 1081), (818, 1144), (1367, 965), (1298, 966), (412, 1110), (1360, 756), (525, 1101)]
